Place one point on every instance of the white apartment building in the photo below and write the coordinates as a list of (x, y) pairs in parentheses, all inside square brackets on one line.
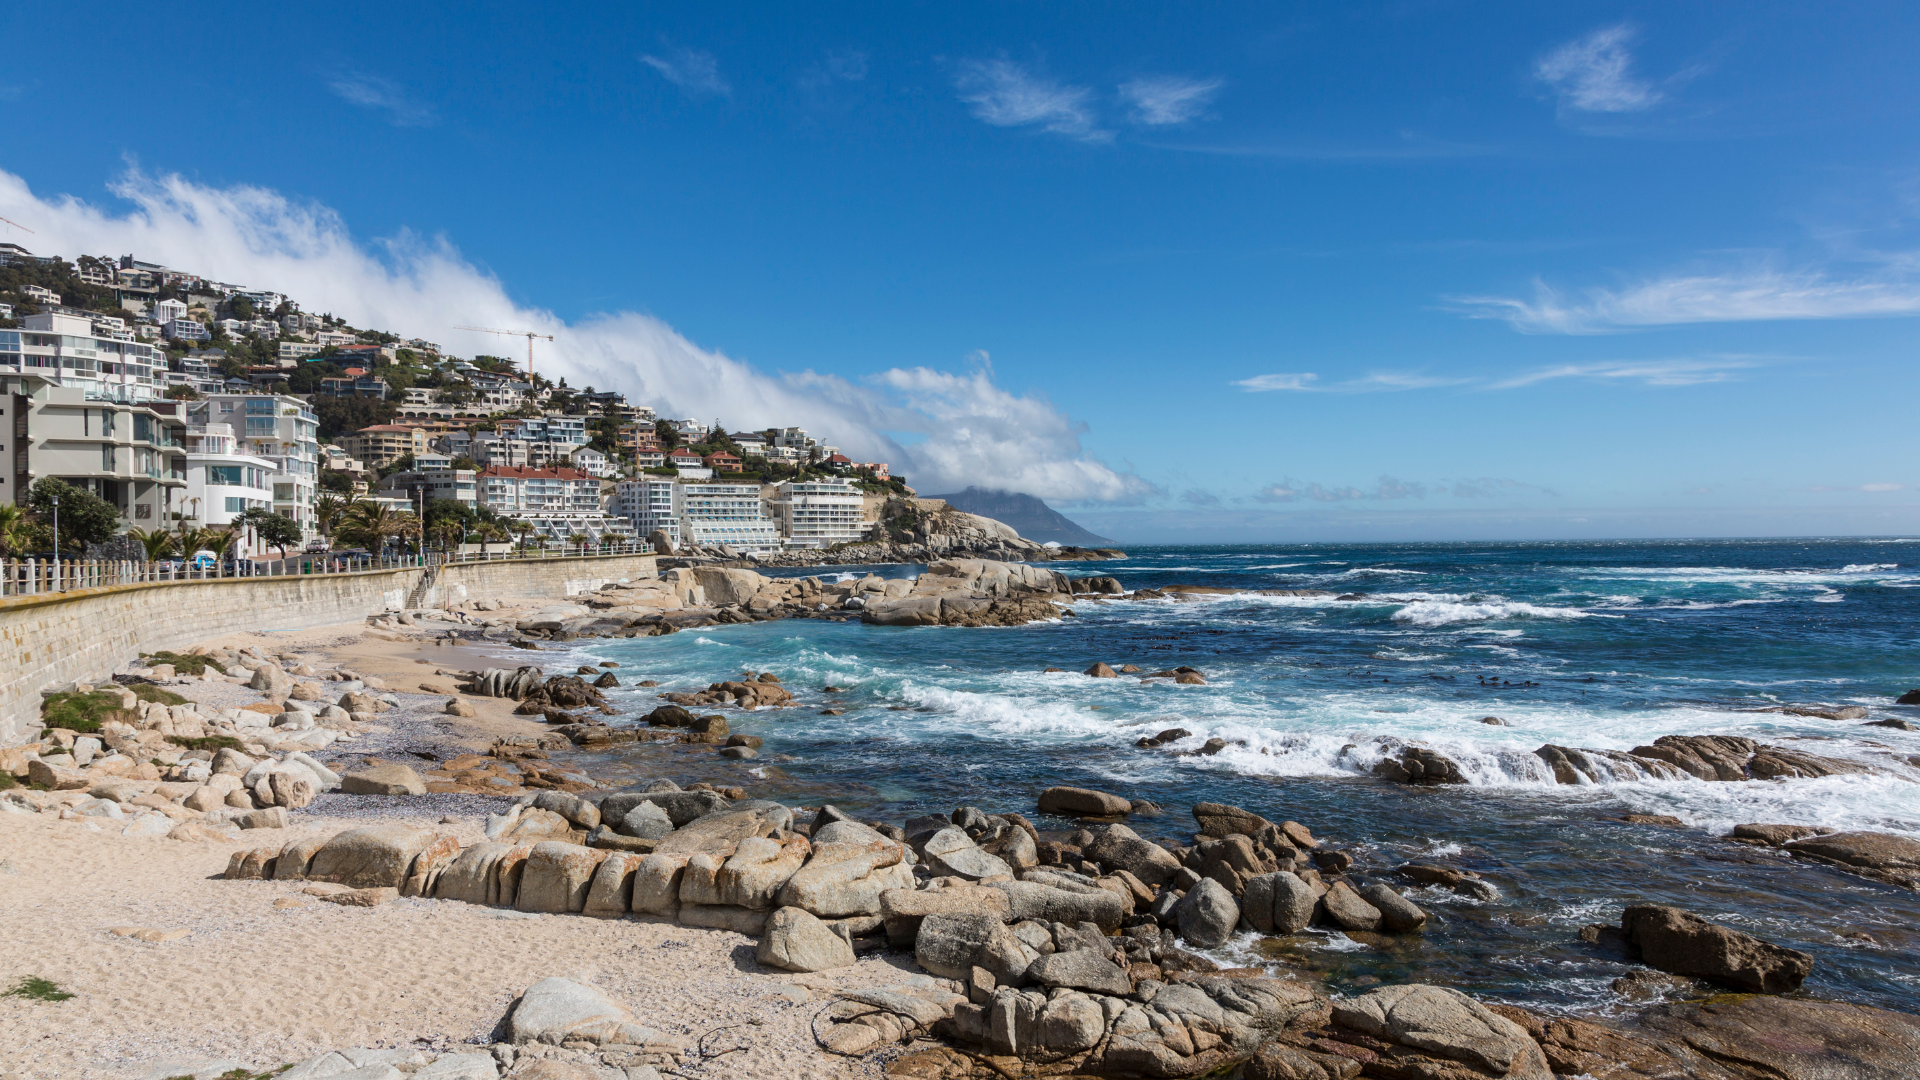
[(40, 295), (328, 339), (297, 350), (280, 429), (818, 513), (592, 462), (165, 311), (649, 505), (129, 453), (692, 431), (64, 350), (559, 503), (730, 514), (223, 482)]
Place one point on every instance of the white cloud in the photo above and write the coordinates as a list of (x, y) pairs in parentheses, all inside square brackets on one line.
[(1688, 372), (1004, 94), (1875, 488), (1301, 381), (1594, 73), (1169, 99), (1751, 296), (1372, 382), (981, 430), (382, 95), (955, 430), (691, 70)]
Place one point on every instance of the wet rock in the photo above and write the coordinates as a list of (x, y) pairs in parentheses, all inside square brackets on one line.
[(1576, 1048), (1279, 903), (1827, 712), (1881, 856), (1170, 735), (1190, 678), (1731, 758), (1665, 821), (1776, 835), (1494, 721), (1792, 1038), (1398, 915), (1642, 984), (1446, 877), (1684, 944), (1419, 765), (1347, 910), (1207, 915), (1082, 802), (1100, 670), (797, 941)]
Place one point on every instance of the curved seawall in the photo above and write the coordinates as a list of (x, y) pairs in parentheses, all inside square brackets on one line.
[(88, 634)]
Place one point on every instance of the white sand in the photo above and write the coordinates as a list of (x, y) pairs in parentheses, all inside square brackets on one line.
[(268, 986)]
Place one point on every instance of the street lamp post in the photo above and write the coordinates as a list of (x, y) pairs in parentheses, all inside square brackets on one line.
[(56, 543)]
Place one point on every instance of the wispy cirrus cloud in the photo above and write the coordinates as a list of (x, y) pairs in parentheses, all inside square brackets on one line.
[(1683, 372), (696, 72), (1164, 100), (1372, 382), (382, 95), (1004, 94), (1756, 295), (1594, 73)]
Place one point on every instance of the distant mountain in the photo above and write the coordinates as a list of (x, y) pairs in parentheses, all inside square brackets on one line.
[(1030, 517)]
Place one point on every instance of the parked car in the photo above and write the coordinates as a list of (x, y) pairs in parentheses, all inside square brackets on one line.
[(316, 547)]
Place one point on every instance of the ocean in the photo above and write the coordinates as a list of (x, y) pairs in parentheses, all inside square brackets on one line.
[(1601, 645)]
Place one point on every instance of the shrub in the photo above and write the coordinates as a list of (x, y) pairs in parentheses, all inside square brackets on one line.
[(35, 988), (7, 781), (205, 742), (80, 712), (150, 692), (183, 663)]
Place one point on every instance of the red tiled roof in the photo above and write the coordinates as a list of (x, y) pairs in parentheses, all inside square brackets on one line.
[(390, 427), (838, 458)]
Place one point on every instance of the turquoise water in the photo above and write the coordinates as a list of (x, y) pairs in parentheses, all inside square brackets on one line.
[(1605, 645)]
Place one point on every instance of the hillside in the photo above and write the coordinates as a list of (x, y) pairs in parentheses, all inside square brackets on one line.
[(1030, 517)]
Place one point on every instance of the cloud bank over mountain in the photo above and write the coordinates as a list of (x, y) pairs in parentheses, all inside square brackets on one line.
[(943, 431)]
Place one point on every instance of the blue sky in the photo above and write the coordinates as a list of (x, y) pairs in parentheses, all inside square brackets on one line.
[(1197, 272)]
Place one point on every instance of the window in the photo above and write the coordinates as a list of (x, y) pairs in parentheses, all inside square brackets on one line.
[(142, 429), (235, 505), (224, 474), (107, 460), (106, 423)]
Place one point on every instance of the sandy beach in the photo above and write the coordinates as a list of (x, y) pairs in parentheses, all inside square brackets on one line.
[(266, 975)]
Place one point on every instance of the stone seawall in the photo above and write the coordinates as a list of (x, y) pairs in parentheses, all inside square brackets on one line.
[(88, 634)]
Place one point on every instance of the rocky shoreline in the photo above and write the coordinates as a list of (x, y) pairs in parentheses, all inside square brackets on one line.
[(1040, 937)]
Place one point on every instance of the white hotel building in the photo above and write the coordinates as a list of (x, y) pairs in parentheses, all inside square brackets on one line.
[(819, 513)]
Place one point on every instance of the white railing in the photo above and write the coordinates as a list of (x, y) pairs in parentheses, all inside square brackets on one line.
[(35, 576)]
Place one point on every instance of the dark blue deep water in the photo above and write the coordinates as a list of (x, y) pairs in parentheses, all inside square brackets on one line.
[(1606, 645)]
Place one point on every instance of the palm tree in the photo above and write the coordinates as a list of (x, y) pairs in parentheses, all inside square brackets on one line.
[(580, 540), (448, 534), (370, 525), (520, 528), (328, 510), (157, 542)]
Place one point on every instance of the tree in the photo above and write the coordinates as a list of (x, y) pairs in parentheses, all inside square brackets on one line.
[(328, 509), (218, 541), (444, 511), (336, 481), (16, 530), (85, 518), (669, 438), (157, 542), (182, 393), (448, 533), (343, 415), (371, 525), (276, 529)]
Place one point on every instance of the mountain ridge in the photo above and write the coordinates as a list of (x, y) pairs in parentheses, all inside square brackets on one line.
[(1031, 517)]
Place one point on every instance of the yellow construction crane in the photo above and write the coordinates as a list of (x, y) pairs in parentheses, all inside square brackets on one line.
[(528, 334), (16, 225)]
